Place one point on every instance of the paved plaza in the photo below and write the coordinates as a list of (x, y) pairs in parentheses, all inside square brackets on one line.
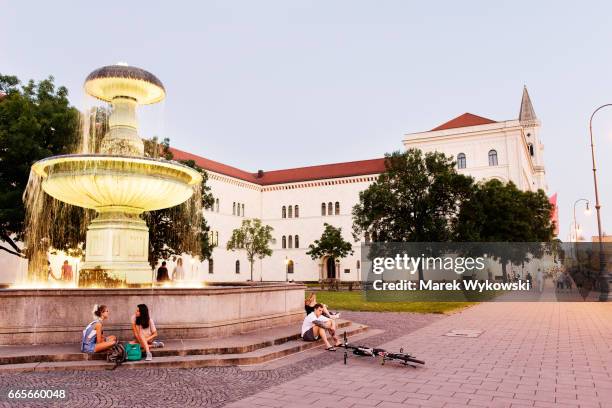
[(528, 355)]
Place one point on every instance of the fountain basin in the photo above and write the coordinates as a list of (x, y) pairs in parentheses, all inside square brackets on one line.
[(117, 183), (48, 316)]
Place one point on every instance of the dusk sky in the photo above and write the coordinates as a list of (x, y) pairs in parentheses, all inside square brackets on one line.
[(280, 84)]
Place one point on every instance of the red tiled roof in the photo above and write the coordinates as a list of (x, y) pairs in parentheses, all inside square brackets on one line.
[(324, 171), (467, 119), (212, 165)]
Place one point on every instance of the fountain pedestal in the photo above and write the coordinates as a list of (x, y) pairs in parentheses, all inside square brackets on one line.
[(118, 243)]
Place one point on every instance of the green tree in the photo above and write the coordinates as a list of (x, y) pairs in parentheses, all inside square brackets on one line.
[(254, 238), (156, 149), (416, 199), (36, 121), (499, 212), (330, 244), (171, 230)]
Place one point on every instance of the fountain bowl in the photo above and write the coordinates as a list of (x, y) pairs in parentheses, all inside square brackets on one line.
[(114, 81), (108, 183)]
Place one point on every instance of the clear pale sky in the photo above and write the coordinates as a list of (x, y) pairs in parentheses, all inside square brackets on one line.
[(278, 84)]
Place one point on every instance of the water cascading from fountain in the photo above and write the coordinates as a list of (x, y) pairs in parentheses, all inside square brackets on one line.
[(118, 182)]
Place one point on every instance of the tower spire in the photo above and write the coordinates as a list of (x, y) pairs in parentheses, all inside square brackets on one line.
[(527, 115)]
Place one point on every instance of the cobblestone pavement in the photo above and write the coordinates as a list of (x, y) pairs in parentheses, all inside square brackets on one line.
[(202, 387), (528, 355)]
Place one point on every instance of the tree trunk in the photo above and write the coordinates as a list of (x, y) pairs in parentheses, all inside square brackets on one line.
[(251, 271), (504, 271)]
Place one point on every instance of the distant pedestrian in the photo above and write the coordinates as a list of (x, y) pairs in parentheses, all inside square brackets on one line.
[(567, 280), (178, 274), (529, 278), (162, 273), (540, 280), (66, 272), (50, 274)]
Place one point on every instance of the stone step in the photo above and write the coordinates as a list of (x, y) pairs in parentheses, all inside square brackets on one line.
[(260, 355), (236, 344)]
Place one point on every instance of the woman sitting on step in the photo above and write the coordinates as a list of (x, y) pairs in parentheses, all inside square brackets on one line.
[(309, 303), (144, 331), (93, 340)]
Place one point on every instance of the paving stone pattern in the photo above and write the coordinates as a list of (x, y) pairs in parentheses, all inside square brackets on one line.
[(529, 355), (202, 387)]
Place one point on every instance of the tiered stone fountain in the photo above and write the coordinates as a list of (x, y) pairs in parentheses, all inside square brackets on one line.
[(120, 184)]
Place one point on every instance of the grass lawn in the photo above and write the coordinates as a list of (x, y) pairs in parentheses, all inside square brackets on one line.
[(356, 301)]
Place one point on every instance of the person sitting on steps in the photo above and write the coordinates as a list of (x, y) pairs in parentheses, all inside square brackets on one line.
[(315, 325), (93, 340), (145, 331), (309, 303)]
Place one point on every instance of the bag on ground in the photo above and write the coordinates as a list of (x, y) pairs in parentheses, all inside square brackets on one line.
[(117, 354), (133, 352)]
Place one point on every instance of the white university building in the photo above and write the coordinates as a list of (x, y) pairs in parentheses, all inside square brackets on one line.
[(297, 202)]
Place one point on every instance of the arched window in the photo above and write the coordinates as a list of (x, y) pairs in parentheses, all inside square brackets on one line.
[(284, 240), (358, 264), (290, 266), (234, 208), (461, 162), (296, 211), (238, 209), (290, 211), (323, 209), (217, 205), (290, 241), (211, 266), (531, 151), (243, 210), (296, 241), (492, 157), (330, 209), (337, 208), (284, 212), (237, 266)]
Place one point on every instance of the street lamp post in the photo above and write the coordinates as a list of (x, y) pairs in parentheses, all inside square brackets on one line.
[(587, 210), (286, 269), (602, 256)]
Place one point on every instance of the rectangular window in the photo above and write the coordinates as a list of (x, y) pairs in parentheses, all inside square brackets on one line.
[(347, 271)]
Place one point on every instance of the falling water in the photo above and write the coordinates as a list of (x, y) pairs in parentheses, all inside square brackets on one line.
[(51, 224)]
